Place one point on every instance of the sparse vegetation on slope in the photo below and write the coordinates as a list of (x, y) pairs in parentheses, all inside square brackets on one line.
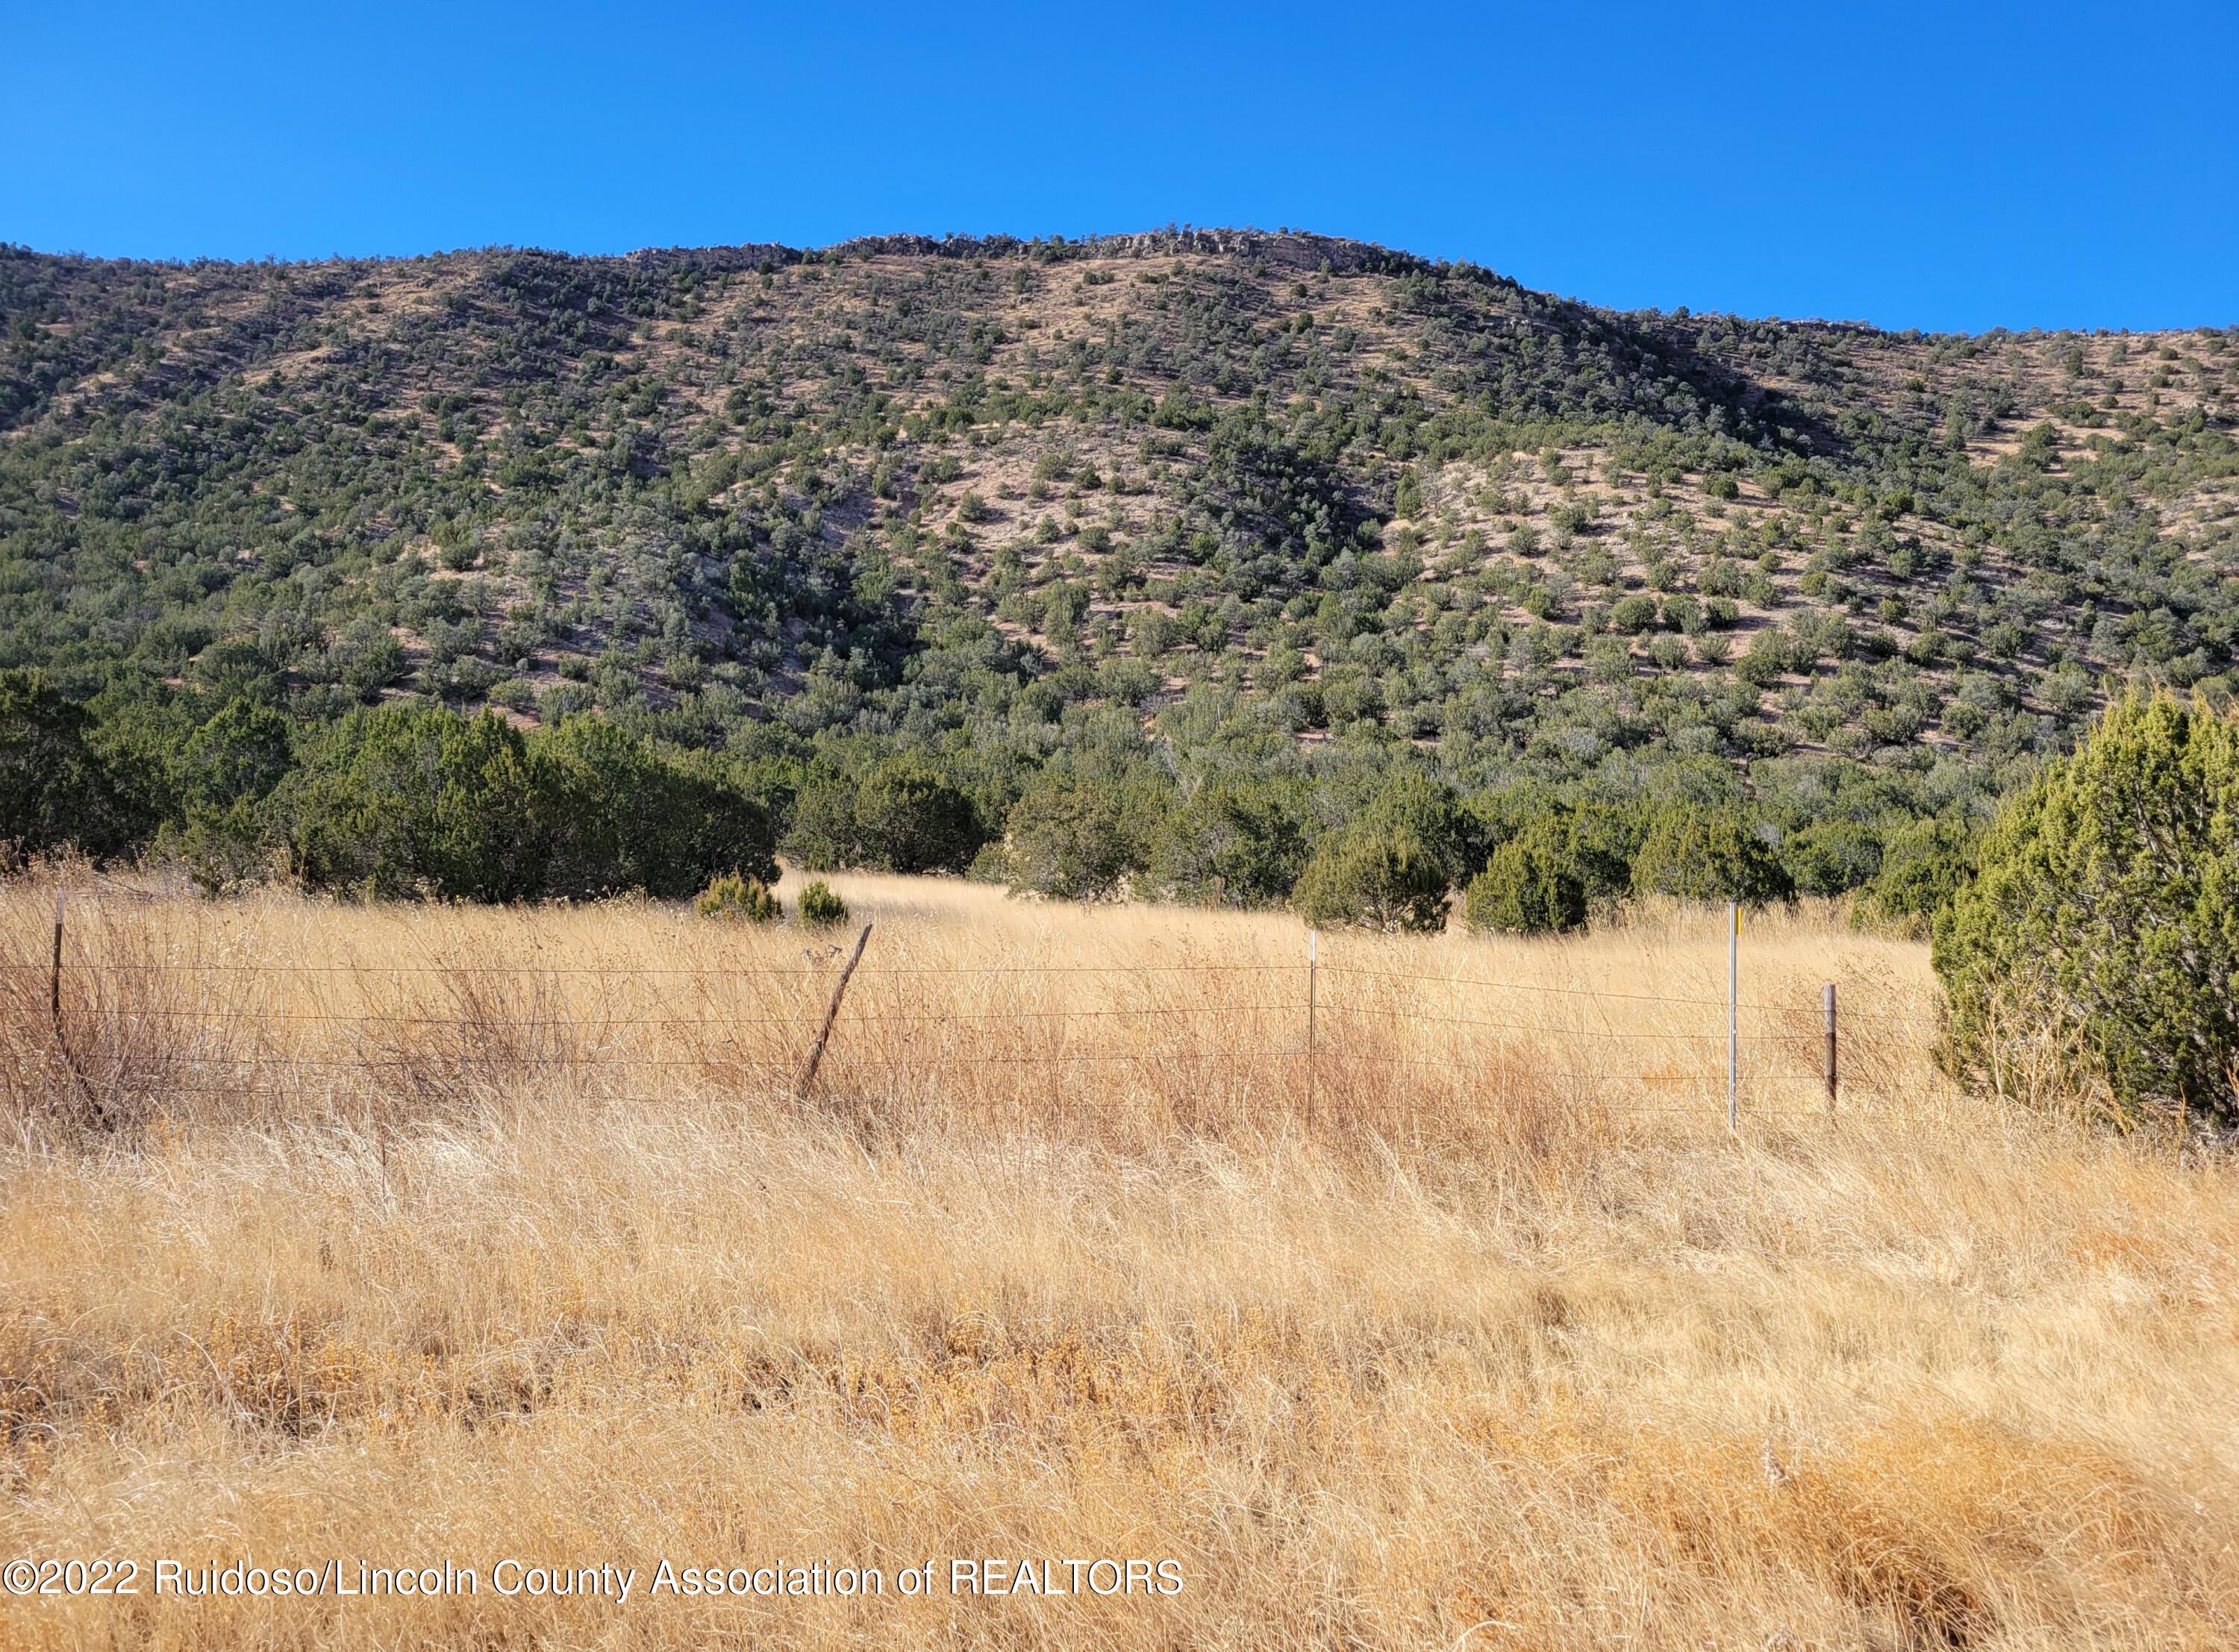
[(1128, 516)]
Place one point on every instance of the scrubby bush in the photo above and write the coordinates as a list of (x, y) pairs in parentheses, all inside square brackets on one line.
[(1767, 659), (224, 850), (220, 779), (243, 752), (1922, 866), (2099, 937), (1069, 841), (818, 907), (1831, 857), (56, 788), (901, 815), (1601, 842), (1374, 877), (744, 899), (822, 835), (404, 801), (1531, 885), (1698, 854), (398, 802), (1632, 614), (908, 818), (1414, 805), (1235, 843), (620, 813)]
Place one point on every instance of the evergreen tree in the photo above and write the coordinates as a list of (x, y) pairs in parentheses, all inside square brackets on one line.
[(2100, 934), (1531, 885), (56, 789)]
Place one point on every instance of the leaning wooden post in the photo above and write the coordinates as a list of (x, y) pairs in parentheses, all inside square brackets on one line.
[(1829, 995), (831, 1014), (55, 1016)]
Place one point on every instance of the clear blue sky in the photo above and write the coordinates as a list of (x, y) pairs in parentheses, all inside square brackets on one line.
[(1942, 166)]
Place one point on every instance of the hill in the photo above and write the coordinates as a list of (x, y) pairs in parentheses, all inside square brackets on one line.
[(1198, 504)]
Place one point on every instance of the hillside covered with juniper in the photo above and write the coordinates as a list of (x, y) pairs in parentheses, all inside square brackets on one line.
[(1160, 562)]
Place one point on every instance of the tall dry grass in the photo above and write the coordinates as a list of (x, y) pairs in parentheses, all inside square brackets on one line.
[(461, 1235), (970, 1009)]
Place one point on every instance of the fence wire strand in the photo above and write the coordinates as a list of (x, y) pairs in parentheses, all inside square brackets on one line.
[(756, 1018)]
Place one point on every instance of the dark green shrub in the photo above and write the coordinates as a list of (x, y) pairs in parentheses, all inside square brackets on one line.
[(224, 849), (822, 836), (1632, 614), (818, 907), (901, 816), (1372, 877), (1597, 840), (1922, 866), (1348, 697), (1766, 660), (2098, 944), (1831, 857), (1531, 885), (1070, 842), (740, 900), (401, 801), (1235, 843), (405, 800), (1601, 842), (1413, 805), (1698, 854), (372, 668), (243, 752), (620, 813), (56, 789)]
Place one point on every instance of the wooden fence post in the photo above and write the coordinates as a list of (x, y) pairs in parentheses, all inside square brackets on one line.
[(76, 1077), (1313, 946), (838, 991)]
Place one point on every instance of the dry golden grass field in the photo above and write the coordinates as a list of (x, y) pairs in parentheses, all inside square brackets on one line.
[(413, 1237)]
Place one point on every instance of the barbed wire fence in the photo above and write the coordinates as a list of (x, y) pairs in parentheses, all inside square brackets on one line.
[(108, 1037)]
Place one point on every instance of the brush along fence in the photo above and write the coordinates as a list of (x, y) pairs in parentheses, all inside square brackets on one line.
[(122, 1029)]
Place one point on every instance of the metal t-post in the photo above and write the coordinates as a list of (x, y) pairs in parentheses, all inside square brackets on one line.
[(1733, 1016), (1829, 1004)]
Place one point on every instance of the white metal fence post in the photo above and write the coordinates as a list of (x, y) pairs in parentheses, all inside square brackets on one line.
[(1733, 1015), (1829, 1006)]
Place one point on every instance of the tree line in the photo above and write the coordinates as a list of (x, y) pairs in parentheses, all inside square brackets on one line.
[(393, 801), (408, 799), (2088, 940)]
